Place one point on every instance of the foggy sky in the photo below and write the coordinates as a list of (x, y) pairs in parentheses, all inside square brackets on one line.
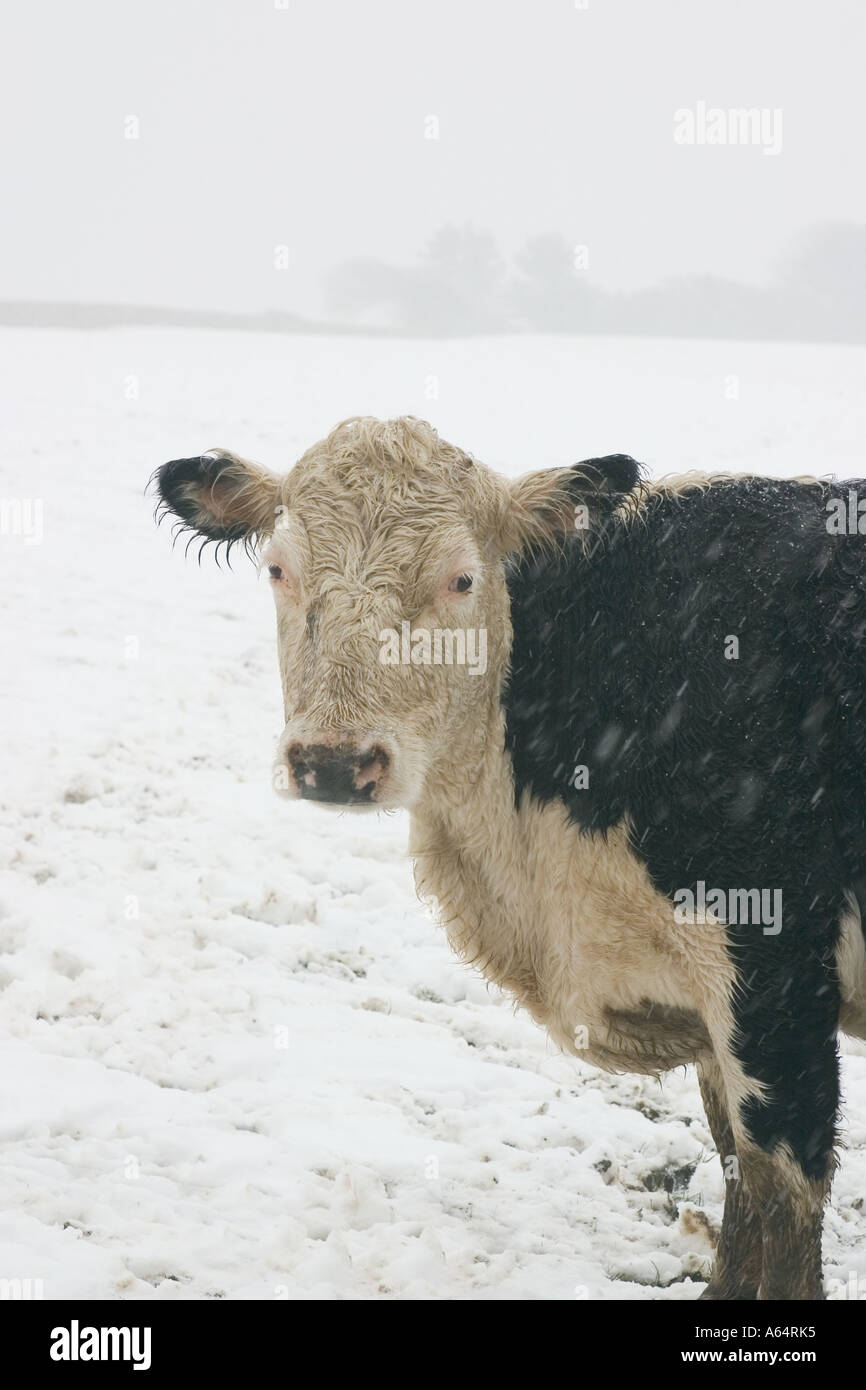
[(304, 126)]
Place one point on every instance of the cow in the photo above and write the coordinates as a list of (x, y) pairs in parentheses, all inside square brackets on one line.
[(643, 813)]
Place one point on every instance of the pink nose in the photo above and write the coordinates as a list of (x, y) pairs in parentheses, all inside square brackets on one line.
[(343, 774)]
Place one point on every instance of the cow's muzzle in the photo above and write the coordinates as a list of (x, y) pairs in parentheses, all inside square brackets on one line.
[(341, 774)]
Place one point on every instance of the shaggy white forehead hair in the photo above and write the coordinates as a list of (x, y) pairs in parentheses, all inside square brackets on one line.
[(398, 465), (369, 472), (378, 503)]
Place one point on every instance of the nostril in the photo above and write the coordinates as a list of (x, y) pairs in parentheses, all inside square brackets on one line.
[(375, 756), (297, 760), (370, 768)]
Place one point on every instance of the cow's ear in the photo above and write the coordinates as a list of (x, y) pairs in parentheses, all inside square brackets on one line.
[(546, 507), (219, 496)]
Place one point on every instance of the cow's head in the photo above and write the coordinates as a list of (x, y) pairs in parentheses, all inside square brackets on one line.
[(384, 549)]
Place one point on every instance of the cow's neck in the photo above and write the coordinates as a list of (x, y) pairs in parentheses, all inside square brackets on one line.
[(468, 796)]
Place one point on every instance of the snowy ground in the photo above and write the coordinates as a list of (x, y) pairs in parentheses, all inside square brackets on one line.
[(236, 1057)]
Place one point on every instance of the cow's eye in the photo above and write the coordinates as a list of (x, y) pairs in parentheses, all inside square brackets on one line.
[(275, 572), (461, 585)]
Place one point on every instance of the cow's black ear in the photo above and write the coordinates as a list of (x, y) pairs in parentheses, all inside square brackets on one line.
[(546, 507), (612, 476), (219, 496)]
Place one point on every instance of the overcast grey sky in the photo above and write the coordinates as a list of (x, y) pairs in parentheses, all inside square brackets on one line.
[(304, 126)]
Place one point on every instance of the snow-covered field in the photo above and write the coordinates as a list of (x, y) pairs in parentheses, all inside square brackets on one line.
[(236, 1056)]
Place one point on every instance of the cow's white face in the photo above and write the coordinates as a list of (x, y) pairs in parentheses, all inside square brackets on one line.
[(384, 550)]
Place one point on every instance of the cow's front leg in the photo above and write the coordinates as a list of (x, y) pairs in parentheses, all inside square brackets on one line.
[(737, 1265), (792, 1213), (780, 1070)]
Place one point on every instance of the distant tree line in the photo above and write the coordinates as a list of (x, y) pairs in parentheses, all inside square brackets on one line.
[(462, 284)]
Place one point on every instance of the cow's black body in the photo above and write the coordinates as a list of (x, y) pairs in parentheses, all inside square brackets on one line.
[(737, 772)]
